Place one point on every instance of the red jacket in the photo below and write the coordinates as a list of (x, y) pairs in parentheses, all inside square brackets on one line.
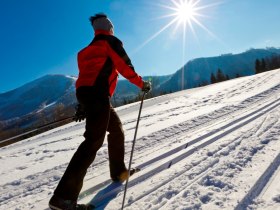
[(100, 62)]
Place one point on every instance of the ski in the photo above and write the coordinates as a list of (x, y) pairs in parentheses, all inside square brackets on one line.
[(140, 167), (111, 190), (108, 192)]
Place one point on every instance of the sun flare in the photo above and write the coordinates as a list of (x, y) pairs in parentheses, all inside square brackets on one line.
[(185, 11), (186, 16)]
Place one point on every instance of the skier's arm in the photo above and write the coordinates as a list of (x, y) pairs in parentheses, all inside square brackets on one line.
[(123, 64)]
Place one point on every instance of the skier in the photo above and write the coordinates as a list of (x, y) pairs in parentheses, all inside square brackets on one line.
[(99, 64)]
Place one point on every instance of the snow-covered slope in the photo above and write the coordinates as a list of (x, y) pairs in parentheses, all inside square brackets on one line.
[(231, 161)]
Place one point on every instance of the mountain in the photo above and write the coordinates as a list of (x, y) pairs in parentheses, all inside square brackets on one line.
[(36, 95), (42, 101), (199, 70)]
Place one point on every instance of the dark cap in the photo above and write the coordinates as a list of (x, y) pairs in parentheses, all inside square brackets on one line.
[(96, 16), (100, 21)]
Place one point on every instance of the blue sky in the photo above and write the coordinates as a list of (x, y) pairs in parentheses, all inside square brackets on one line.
[(43, 37)]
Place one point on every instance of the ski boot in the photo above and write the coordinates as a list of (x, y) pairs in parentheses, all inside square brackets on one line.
[(124, 175), (57, 203)]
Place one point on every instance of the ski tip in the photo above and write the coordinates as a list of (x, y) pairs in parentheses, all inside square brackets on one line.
[(137, 169), (133, 171)]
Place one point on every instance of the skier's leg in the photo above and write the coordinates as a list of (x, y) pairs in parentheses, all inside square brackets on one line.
[(96, 126), (115, 145)]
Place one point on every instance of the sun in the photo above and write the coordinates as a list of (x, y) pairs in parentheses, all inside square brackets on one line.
[(185, 11)]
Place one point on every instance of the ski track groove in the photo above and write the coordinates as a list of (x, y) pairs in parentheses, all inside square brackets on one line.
[(241, 86), (212, 166), (259, 185), (198, 175), (208, 134), (203, 145), (268, 183), (196, 129)]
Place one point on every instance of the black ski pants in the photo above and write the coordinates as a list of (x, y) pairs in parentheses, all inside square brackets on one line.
[(100, 117)]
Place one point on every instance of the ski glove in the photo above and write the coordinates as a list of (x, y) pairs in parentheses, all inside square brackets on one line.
[(80, 113), (147, 86)]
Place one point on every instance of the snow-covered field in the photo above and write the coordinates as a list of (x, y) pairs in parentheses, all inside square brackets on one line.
[(215, 147)]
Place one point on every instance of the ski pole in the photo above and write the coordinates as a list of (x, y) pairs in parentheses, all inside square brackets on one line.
[(133, 145)]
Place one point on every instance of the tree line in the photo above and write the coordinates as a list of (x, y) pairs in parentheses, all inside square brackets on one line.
[(218, 77), (267, 64), (261, 65)]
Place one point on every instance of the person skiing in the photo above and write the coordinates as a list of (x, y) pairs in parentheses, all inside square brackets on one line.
[(99, 65)]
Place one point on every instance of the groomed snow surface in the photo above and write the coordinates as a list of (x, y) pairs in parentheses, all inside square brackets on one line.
[(215, 147)]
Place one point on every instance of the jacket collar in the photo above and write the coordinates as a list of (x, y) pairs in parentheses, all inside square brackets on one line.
[(97, 32)]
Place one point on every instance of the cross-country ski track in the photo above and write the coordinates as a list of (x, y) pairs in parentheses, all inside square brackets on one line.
[(214, 147)]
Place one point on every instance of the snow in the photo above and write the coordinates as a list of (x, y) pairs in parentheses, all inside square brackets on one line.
[(231, 161), (46, 106)]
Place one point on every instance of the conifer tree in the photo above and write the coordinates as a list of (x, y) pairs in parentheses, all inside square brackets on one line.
[(220, 76), (227, 77), (213, 78), (258, 66), (263, 66), (274, 62)]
